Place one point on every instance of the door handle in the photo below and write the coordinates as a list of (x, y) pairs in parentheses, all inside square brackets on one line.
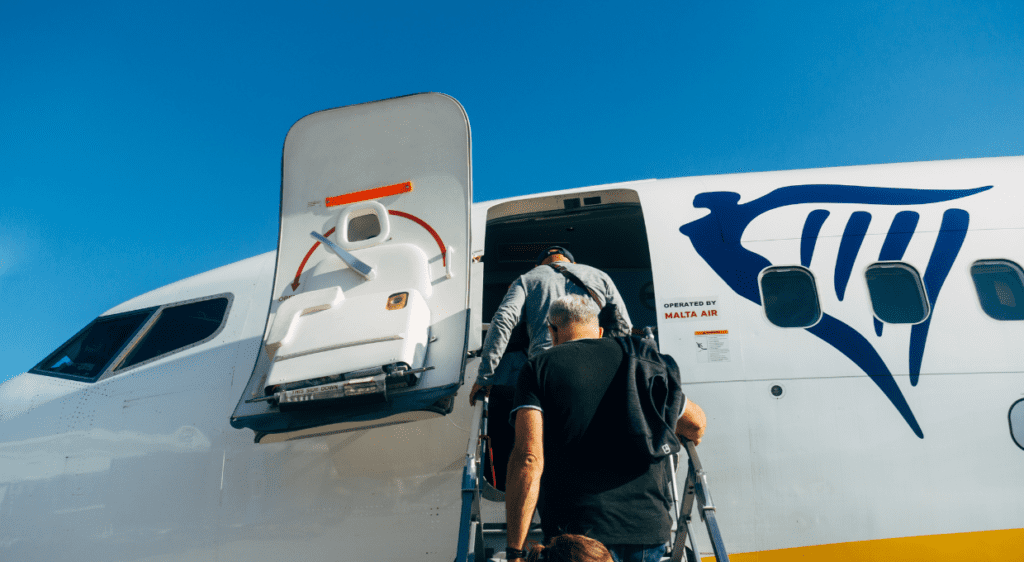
[(353, 262)]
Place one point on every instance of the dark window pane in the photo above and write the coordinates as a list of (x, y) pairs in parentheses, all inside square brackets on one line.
[(177, 327), (897, 295), (1000, 288), (790, 297), (1017, 422), (88, 353), (363, 228)]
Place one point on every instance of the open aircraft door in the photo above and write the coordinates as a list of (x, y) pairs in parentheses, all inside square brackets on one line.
[(370, 309)]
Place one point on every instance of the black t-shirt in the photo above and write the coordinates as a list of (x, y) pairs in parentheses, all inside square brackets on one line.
[(591, 485)]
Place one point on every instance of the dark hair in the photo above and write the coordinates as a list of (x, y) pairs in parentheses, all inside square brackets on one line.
[(553, 250), (569, 548)]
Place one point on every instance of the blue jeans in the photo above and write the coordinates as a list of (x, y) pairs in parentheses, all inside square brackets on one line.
[(637, 552)]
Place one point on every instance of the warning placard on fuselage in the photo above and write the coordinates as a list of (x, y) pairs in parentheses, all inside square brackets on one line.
[(712, 346), (690, 309)]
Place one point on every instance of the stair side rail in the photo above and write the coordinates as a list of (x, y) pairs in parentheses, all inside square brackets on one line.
[(696, 491), (471, 539)]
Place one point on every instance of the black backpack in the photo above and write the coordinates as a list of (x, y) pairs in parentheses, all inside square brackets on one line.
[(654, 396)]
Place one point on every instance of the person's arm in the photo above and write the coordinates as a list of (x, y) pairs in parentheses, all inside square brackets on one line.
[(692, 422), (525, 467), (504, 321)]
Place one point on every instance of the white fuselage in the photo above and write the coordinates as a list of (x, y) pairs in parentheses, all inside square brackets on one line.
[(144, 464)]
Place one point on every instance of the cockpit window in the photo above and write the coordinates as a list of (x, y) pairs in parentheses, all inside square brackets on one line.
[(178, 327), (137, 337), (87, 355)]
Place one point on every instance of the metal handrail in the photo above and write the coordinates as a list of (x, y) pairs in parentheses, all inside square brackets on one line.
[(696, 489), (470, 545), (353, 262)]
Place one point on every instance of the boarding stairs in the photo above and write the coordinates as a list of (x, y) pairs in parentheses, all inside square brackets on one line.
[(481, 541)]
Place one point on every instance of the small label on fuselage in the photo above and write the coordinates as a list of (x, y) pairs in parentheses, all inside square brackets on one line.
[(690, 308), (712, 346)]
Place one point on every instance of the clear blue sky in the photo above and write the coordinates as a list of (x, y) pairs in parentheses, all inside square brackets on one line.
[(141, 143)]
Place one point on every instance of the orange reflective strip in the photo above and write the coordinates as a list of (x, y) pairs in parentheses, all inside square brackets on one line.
[(367, 194)]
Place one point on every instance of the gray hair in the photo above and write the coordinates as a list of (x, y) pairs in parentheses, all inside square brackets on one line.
[(572, 309)]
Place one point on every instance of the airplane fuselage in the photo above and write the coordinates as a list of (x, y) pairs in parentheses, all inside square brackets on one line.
[(847, 437)]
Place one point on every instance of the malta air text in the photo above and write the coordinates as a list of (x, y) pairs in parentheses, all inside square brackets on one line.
[(690, 309)]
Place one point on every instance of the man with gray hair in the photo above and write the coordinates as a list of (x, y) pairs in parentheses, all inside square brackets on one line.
[(572, 312), (577, 457)]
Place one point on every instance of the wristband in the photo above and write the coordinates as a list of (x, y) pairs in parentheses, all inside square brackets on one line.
[(514, 553)]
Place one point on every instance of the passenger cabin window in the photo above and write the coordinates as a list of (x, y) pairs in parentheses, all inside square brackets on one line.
[(1017, 422), (1000, 285), (178, 327), (897, 294), (90, 352), (790, 297)]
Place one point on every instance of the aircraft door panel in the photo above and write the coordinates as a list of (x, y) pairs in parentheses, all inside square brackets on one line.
[(370, 305), (479, 223)]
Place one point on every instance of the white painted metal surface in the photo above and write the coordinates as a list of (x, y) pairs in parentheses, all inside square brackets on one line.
[(144, 464), (336, 164), (404, 163), (832, 460)]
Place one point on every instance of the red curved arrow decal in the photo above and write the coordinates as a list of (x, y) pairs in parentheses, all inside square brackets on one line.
[(423, 223), (295, 283), (413, 218)]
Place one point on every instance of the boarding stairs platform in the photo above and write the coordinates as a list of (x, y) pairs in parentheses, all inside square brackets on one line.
[(480, 540)]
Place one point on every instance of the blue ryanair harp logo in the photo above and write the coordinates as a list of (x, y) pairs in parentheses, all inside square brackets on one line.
[(716, 238)]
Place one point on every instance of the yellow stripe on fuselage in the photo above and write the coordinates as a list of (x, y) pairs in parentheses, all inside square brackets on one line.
[(994, 546)]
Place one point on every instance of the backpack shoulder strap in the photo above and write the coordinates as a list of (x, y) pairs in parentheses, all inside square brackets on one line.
[(576, 280)]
